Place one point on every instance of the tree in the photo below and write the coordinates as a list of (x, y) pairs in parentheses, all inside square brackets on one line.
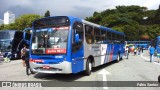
[(157, 16), (21, 22), (129, 19), (47, 14), (25, 21)]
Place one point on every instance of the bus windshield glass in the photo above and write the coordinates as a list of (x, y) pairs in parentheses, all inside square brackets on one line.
[(6, 35), (50, 35), (5, 46), (50, 40)]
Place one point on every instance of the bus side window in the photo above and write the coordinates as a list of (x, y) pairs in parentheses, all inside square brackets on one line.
[(97, 34), (103, 37), (109, 37), (77, 38), (89, 34)]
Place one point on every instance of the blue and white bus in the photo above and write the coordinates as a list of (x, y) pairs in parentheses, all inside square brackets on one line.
[(143, 44), (66, 44)]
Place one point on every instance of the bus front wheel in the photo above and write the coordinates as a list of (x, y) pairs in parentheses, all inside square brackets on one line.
[(88, 67)]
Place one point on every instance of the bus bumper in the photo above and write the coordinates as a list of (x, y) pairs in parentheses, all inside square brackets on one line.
[(62, 67)]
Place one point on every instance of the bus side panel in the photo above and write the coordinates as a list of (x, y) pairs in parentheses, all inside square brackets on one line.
[(122, 50), (92, 50), (78, 60), (110, 55), (115, 51)]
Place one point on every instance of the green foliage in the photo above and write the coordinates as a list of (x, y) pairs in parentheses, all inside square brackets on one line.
[(157, 16), (130, 20), (21, 22)]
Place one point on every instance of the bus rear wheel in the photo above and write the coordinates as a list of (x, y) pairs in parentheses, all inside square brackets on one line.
[(88, 67), (118, 58)]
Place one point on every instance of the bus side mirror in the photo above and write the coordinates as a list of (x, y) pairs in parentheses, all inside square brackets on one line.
[(77, 38)]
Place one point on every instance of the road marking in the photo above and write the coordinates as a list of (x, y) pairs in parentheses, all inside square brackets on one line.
[(104, 73), (148, 59)]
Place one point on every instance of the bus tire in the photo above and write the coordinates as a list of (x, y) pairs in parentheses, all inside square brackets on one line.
[(88, 67), (118, 58)]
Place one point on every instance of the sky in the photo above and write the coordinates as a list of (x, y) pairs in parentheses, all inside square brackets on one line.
[(78, 8)]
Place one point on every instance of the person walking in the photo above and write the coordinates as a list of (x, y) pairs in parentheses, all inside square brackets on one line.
[(158, 53), (151, 52), (23, 50), (142, 48), (127, 51), (139, 50), (27, 62), (135, 51)]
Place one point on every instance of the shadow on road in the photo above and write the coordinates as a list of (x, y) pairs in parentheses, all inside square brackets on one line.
[(59, 77)]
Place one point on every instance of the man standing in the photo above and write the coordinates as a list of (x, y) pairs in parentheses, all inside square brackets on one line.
[(23, 50), (142, 48), (151, 51), (127, 51), (27, 62)]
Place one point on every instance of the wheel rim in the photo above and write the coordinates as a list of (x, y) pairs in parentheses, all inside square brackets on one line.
[(118, 58), (90, 66)]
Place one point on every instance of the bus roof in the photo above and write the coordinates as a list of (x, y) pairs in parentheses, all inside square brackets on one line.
[(101, 27), (90, 23)]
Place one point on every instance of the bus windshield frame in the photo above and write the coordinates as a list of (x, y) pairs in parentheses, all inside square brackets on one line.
[(49, 37)]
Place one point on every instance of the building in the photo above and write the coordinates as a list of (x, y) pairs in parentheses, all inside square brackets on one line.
[(1, 21), (9, 17)]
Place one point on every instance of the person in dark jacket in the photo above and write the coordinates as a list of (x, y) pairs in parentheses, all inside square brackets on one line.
[(27, 63)]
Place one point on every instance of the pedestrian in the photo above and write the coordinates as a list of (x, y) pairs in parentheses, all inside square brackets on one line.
[(27, 62), (135, 51), (139, 50), (151, 52), (142, 48), (127, 51), (23, 50), (158, 53)]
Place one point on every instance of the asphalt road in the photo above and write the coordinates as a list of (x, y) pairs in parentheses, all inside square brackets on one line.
[(136, 68)]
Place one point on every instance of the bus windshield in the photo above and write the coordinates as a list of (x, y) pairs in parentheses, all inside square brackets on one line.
[(5, 46), (50, 40)]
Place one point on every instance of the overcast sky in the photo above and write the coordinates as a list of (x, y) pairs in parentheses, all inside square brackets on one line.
[(78, 8)]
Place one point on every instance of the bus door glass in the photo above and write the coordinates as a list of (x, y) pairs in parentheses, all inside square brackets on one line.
[(77, 47)]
